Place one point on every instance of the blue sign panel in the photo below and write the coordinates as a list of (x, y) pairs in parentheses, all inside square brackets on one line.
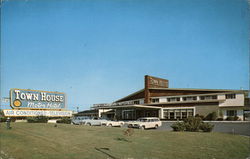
[(33, 99)]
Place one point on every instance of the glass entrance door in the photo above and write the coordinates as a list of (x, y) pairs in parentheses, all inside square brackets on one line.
[(128, 114)]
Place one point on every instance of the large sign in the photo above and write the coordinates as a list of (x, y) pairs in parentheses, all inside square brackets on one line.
[(155, 82), (33, 99), (30, 113)]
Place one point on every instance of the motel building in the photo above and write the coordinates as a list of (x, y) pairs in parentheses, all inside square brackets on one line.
[(158, 100)]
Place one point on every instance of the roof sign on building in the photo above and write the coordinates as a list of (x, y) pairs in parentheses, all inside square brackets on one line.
[(155, 82)]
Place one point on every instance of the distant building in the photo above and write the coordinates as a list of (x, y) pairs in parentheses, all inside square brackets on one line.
[(158, 100)]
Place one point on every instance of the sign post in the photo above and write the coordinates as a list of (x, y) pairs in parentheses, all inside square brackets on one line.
[(8, 123)]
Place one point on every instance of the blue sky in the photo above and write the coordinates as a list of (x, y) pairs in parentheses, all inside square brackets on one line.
[(97, 51)]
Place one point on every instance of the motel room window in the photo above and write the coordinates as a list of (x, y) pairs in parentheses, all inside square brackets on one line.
[(155, 100), (189, 98), (231, 112), (230, 96), (208, 97), (214, 97), (173, 99)]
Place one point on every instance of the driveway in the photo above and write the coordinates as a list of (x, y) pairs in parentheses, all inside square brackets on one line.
[(240, 128)]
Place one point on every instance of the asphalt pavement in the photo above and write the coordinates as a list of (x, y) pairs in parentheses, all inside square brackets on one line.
[(239, 128)]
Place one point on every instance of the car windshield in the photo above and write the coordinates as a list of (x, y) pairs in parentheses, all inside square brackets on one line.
[(81, 118), (100, 118)]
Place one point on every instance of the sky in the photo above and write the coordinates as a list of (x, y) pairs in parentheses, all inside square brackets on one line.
[(98, 51)]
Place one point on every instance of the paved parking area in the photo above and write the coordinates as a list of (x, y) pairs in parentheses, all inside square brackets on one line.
[(240, 128)]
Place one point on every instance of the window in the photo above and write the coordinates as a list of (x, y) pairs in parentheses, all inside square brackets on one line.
[(190, 112), (184, 115), (231, 112), (155, 100), (178, 114), (208, 97), (173, 99), (214, 97), (137, 102), (189, 98), (230, 96), (165, 114)]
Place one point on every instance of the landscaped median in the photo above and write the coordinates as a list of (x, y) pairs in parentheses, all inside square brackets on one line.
[(43, 140)]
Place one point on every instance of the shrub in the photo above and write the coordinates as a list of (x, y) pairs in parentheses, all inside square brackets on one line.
[(232, 118), (3, 119), (64, 120), (37, 119), (211, 116), (129, 132), (220, 119), (206, 127), (201, 116), (192, 123), (179, 126), (236, 118)]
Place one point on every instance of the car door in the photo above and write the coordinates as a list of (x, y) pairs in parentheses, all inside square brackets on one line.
[(150, 123)]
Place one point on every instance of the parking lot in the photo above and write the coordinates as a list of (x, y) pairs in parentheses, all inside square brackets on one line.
[(240, 128)]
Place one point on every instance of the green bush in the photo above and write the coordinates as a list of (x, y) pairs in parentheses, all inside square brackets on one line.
[(232, 118), (64, 120), (192, 123), (206, 127), (3, 119), (220, 119), (201, 116), (179, 126), (37, 119), (211, 116)]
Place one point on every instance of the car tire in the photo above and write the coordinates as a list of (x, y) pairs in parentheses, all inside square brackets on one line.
[(110, 125), (156, 126), (88, 124), (142, 127), (129, 126)]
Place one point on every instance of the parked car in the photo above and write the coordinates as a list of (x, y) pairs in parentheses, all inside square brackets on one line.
[(113, 123), (145, 123), (95, 121), (80, 120)]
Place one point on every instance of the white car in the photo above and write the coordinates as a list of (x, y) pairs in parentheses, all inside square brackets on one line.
[(113, 123), (80, 120), (95, 122), (145, 123)]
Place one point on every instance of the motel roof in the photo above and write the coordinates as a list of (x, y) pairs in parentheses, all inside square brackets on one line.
[(184, 89)]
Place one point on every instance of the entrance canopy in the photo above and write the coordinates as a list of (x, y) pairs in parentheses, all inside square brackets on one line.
[(133, 112)]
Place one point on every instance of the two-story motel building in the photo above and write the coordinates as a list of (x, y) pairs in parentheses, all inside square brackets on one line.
[(158, 100)]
